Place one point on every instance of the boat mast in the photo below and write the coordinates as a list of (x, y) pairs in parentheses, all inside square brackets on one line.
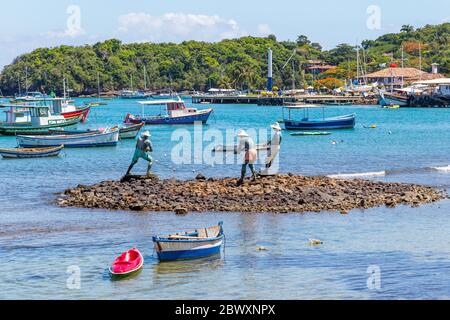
[(420, 61), (18, 84), (145, 79), (293, 75), (403, 76), (26, 79), (98, 84), (64, 88), (357, 64)]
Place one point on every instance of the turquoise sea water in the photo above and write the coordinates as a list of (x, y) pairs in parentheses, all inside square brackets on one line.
[(40, 241)]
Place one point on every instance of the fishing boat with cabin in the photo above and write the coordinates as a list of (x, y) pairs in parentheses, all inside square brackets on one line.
[(175, 112), (33, 119), (108, 137), (347, 121), (194, 244), (27, 153)]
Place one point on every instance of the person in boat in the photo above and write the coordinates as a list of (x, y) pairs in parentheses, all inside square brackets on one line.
[(274, 144), (247, 145), (143, 149)]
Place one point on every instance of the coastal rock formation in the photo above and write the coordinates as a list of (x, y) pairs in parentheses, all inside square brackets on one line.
[(279, 194)]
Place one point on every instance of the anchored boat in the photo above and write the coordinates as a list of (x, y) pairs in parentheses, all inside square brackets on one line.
[(25, 153), (128, 264), (130, 131), (127, 132), (33, 119), (108, 137), (190, 245), (175, 112), (306, 123)]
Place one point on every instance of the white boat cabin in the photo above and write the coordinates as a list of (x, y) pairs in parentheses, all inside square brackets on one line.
[(174, 108), (35, 115)]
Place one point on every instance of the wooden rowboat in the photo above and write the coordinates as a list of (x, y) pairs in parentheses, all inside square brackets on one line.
[(94, 139), (24, 153), (127, 132), (190, 245), (130, 131), (128, 264)]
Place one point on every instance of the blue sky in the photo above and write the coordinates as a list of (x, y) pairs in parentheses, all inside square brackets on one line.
[(26, 25)]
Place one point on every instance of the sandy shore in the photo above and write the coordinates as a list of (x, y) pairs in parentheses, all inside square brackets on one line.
[(278, 194)]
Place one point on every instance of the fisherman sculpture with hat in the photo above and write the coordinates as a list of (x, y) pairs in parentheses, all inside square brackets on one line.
[(274, 149), (143, 149), (246, 144)]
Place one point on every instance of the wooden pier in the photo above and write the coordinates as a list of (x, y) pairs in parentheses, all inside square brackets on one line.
[(283, 100)]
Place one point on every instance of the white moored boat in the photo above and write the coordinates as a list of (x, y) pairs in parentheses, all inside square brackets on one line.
[(108, 137)]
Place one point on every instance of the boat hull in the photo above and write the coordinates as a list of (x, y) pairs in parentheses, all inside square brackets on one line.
[(24, 154), (188, 119), (70, 141), (390, 100), (123, 268), (83, 113), (195, 244), (344, 122), (171, 250), (130, 132)]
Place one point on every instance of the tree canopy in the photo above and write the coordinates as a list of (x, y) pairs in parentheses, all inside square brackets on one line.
[(236, 63)]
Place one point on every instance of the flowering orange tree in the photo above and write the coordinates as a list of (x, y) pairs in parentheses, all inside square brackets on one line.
[(330, 83)]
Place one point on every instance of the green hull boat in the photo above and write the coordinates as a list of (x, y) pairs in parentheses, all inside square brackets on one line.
[(14, 129)]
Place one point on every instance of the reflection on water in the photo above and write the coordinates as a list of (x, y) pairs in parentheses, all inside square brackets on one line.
[(188, 266)]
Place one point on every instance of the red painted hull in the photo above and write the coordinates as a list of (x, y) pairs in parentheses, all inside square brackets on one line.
[(80, 112), (127, 264)]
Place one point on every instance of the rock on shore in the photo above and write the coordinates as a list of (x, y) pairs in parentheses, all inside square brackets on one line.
[(278, 194)]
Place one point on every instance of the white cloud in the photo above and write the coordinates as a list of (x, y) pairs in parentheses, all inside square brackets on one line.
[(264, 29), (177, 27), (68, 33)]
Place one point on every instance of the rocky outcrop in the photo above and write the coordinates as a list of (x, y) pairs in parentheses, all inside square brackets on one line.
[(278, 194)]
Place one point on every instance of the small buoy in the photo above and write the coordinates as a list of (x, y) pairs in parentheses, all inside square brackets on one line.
[(315, 242), (261, 248), (333, 142), (374, 126)]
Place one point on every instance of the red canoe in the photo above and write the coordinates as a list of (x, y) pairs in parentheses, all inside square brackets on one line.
[(129, 263), (77, 113)]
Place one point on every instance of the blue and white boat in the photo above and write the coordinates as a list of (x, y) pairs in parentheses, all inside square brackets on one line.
[(322, 123), (175, 112), (130, 94), (194, 244)]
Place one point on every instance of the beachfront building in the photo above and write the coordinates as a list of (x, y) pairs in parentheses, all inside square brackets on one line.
[(317, 66), (398, 77)]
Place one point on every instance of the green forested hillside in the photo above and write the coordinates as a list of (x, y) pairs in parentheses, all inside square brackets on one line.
[(238, 63)]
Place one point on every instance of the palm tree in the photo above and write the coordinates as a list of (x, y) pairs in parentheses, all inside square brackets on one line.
[(407, 28)]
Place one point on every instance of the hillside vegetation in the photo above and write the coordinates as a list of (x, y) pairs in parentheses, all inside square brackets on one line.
[(237, 63)]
